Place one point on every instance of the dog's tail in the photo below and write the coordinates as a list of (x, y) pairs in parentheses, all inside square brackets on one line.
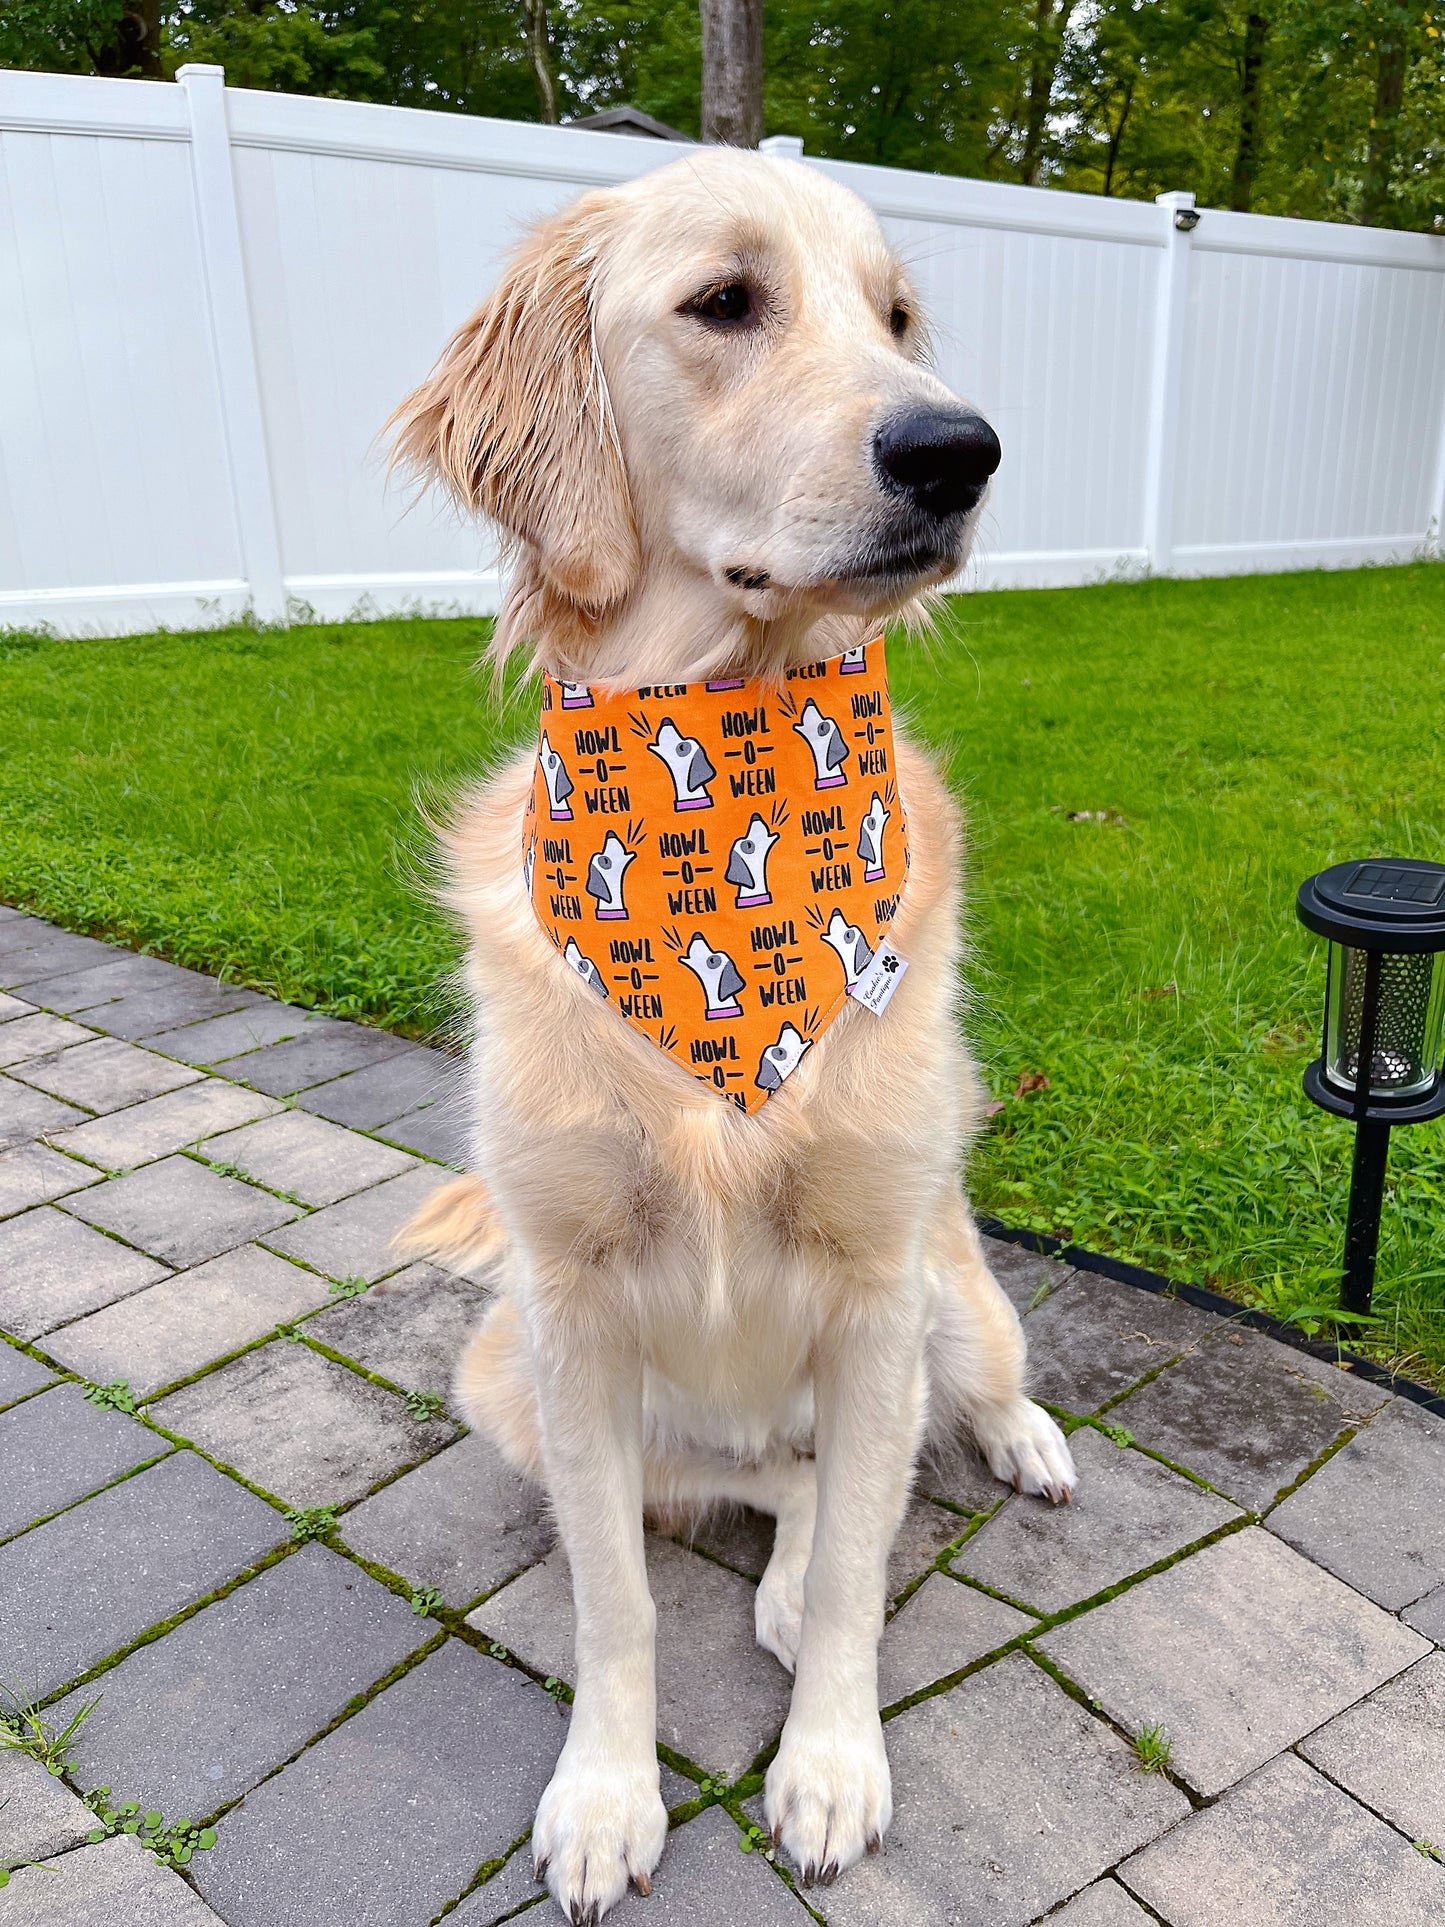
[(457, 1225)]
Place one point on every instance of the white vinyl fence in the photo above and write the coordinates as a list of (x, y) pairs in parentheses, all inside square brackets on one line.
[(210, 299)]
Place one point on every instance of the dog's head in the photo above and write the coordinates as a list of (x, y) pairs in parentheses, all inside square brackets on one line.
[(714, 376)]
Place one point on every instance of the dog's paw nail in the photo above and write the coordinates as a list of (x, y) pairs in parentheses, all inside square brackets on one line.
[(643, 1884), (539, 1870), (778, 1834), (829, 1874), (807, 1875), (875, 1843)]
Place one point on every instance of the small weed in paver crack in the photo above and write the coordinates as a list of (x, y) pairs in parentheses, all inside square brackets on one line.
[(756, 1841), (426, 1405), (348, 1287), (1429, 1849), (171, 1841), (115, 1397), (426, 1599), (1154, 1747), (289, 1331), (24, 1729), (1117, 1435), (311, 1521)]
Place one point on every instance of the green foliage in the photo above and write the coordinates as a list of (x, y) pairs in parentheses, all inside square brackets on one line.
[(1118, 1435), (1153, 1747), (25, 1729), (173, 1842), (114, 1397), (426, 1599), (311, 1522), (348, 1287), (426, 1405)]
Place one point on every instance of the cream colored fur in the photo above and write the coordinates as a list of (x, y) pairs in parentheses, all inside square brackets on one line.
[(695, 1305)]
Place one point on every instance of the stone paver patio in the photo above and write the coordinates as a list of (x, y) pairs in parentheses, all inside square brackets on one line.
[(198, 1192)]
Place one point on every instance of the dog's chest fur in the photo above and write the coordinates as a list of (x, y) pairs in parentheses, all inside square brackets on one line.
[(728, 1242)]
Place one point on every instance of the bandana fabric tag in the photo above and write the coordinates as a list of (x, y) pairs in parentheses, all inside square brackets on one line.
[(879, 981), (722, 860)]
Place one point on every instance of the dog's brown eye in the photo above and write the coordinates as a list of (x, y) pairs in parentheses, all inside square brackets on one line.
[(730, 302), (899, 319)]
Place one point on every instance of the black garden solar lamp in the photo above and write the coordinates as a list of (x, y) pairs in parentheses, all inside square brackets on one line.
[(1384, 1019)]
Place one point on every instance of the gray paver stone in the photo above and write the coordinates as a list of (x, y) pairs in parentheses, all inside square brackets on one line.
[(951, 1467), (172, 1329), (104, 1075), (720, 1698), (1246, 1413), (1373, 1513), (41, 1816), (180, 1211), (17, 929), (317, 1161), (164, 1124), (411, 1327), (511, 1887), (460, 1746), (1008, 1797), (300, 1425), (1028, 1277), (743, 1539), (11, 1007), (20, 1374), (115, 1882), (37, 1036), (1128, 1513), (437, 1130), (740, 1537), (325, 1048), (1427, 1615), (26, 1113), (703, 1877), (1105, 1904), (57, 1447), (1093, 1337), (1287, 1847), (88, 1582), (52, 1269), (34, 1174), (463, 1522), (114, 976), (216, 1040), (381, 1093), (1237, 1651), (191, 1721), (1389, 1751), (353, 1239), (941, 1628), (186, 999), (51, 952)]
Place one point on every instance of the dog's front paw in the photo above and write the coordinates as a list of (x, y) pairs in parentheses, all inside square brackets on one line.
[(1026, 1450), (601, 1823), (828, 1797)]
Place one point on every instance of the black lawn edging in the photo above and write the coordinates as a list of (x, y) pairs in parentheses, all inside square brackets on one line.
[(1213, 1301)]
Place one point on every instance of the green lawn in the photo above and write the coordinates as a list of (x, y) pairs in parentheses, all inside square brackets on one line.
[(247, 802)]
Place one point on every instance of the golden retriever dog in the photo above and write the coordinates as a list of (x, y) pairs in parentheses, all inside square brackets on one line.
[(700, 409)]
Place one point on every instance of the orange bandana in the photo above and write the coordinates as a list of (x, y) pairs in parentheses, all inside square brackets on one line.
[(721, 860)]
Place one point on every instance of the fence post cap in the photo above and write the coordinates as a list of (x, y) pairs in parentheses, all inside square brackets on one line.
[(1176, 197), (200, 70), (785, 147)]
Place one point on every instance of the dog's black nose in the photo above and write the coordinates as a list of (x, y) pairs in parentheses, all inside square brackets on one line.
[(941, 459)]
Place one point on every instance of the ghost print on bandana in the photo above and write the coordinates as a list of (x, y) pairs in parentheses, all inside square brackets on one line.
[(721, 860)]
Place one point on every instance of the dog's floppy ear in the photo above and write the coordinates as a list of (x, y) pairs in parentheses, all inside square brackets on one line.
[(515, 419)]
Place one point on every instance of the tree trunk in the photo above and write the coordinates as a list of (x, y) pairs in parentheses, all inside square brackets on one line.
[(1376, 208), (134, 48), (732, 72), (1116, 139), (1251, 89), (1051, 23), (539, 52)]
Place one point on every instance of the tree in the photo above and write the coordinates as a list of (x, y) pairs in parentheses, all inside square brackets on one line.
[(732, 72)]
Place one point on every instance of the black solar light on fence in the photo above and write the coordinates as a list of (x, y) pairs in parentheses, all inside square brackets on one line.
[(1384, 1019)]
